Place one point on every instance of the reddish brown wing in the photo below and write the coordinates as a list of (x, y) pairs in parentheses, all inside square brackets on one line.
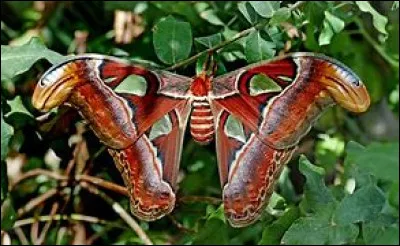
[(150, 166), (89, 82), (280, 99), (261, 113), (142, 126), (247, 167)]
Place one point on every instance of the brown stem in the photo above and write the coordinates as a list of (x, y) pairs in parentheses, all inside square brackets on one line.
[(76, 217), (37, 201), (21, 236), (42, 236), (37, 172), (102, 183)]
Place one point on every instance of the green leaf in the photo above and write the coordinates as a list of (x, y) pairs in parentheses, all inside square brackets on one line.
[(209, 41), (6, 133), (381, 232), (119, 5), (172, 40), (316, 194), (265, 8), (8, 215), (380, 159), (379, 21), (17, 106), (214, 231), (319, 229), (17, 60), (273, 233), (258, 49), (394, 195), (281, 15), (395, 5), (331, 25), (365, 204), (210, 16), (248, 12)]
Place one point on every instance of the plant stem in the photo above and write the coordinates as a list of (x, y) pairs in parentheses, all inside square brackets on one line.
[(228, 41), (375, 45), (102, 183), (44, 218), (37, 201)]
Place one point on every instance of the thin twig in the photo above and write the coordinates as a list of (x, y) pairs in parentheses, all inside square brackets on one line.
[(120, 211), (103, 183), (59, 217), (37, 172), (228, 41), (46, 227), (37, 201), (21, 236), (180, 226), (375, 45)]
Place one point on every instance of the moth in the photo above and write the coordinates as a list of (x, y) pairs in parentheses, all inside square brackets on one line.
[(257, 115)]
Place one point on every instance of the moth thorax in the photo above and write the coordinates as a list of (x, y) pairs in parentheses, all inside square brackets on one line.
[(202, 122)]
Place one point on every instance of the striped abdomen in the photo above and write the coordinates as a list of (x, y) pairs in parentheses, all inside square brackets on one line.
[(201, 122)]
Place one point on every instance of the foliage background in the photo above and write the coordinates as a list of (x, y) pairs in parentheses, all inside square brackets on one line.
[(340, 188)]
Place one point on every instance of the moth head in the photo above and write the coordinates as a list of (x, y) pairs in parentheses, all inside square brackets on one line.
[(57, 83), (345, 87)]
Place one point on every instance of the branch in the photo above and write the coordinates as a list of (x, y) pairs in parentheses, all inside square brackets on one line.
[(376, 46), (102, 183), (37, 172), (229, 41), (37, 201), (44, 218), (120, 211)]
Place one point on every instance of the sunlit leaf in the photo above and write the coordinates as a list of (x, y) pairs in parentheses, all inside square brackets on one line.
[(17, 60), (172, 40)]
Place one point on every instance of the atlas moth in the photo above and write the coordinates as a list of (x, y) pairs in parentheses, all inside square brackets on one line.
[(256, 114)]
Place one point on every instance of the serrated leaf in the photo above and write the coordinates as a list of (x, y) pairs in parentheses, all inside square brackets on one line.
[(379, 159), (172, 40), (363, 205), (331, 25), (379, 21), (258, 49), (265, 8), (209, 41), (318, 229), (210, 16), (381, 232), (17, 60), (316, 194), (273, 233), (6, 133)]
